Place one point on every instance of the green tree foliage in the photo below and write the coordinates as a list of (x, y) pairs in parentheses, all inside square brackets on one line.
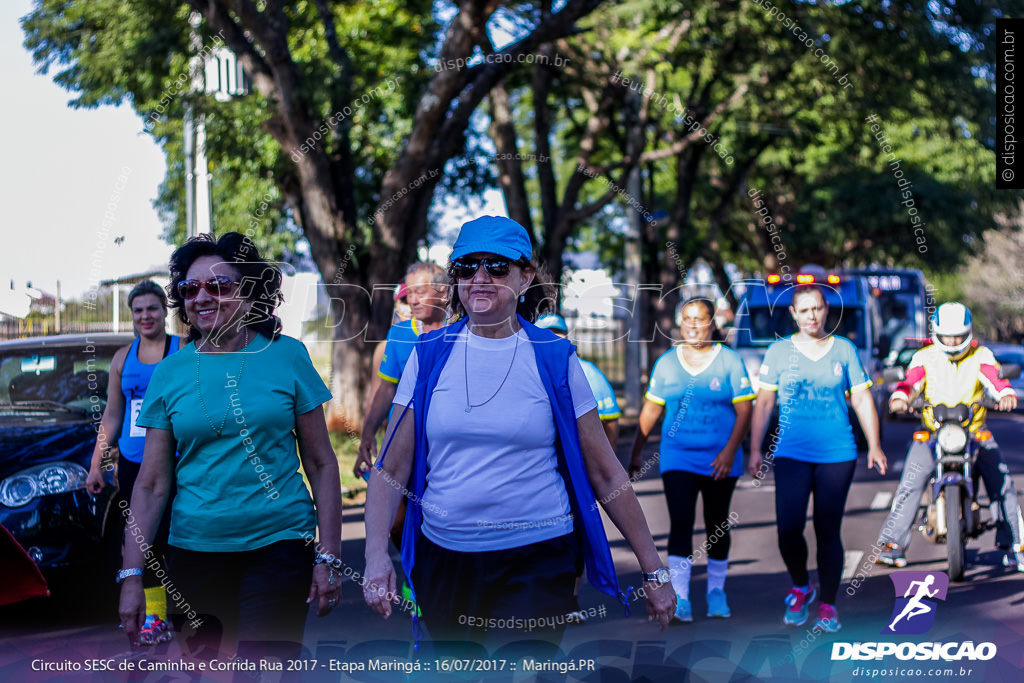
[(786, 89), (345, 135)]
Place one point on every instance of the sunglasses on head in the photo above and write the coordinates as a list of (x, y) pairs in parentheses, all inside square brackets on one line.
[(495, 266), (218, 286)]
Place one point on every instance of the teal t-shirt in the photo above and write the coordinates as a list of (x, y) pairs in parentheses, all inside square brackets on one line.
[(699, 408), (242, 490), (814, 421)]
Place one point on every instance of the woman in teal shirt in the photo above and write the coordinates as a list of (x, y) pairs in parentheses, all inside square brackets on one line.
[(813, 372), (707, 393), (235, 402)]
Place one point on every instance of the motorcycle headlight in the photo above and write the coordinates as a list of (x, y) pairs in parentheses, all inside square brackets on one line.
[(952, 438), (41, 480)]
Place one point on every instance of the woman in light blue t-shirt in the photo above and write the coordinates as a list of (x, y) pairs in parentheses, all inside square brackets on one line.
[(702, 390), (812, 373)]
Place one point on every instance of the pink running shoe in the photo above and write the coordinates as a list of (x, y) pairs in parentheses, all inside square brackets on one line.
[(796, 606), (827, 619), (154, 631)]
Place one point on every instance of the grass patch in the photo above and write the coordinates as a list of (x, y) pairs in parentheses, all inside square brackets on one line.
[(345, 447)]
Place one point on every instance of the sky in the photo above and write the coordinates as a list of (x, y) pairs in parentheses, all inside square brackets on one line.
[(61, 168), (66, 168)]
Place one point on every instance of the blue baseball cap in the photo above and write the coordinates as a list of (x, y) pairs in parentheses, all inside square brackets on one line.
[(554, 322), (493, 235)]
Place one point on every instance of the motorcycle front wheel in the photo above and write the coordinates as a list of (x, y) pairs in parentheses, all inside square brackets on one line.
[(955, 533)]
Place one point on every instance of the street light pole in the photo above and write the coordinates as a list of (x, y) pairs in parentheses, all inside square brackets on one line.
[(635, 350), (198, 217)]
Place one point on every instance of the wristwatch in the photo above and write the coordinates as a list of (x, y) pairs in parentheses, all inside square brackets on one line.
[(660, 576), (125, 573)]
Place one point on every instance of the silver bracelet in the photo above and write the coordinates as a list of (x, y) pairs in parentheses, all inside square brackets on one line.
[(328, 559)]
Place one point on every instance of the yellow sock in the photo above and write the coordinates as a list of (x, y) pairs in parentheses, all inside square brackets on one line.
[(156, 602)]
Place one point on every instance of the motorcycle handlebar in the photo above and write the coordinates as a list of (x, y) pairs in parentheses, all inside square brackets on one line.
[(919, 404)]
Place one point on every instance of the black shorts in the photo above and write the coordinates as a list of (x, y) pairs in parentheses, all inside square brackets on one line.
[(519, 592)]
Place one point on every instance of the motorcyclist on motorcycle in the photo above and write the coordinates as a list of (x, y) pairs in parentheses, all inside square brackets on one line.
[(954, 369)]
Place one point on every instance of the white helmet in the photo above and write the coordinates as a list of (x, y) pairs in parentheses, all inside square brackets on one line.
[(952, 320)]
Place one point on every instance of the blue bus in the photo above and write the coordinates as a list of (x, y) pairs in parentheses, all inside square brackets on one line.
[(905, 302)]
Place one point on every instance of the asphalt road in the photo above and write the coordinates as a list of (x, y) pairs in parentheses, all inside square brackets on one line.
[(753, 645)]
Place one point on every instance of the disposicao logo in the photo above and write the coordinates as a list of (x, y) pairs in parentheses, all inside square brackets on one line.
[(916, 593), (914, 613)]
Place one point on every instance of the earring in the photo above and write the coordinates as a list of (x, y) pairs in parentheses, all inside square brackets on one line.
[(522, 298)]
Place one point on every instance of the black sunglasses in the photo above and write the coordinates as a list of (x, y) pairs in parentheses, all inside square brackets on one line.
[(218, 286), (495, 266)]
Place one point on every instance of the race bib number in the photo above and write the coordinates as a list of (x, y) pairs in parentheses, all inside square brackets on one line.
[(136, 430)]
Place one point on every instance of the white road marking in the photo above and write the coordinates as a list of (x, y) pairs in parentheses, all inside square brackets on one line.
[(851, 560), (881, 501)]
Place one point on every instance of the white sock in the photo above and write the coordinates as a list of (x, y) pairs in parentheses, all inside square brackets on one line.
[(680, 569), (717, 570)]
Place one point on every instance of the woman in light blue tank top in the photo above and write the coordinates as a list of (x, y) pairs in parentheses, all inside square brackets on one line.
[(130, 372)]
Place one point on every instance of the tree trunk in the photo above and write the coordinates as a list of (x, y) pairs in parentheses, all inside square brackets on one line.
[(679, 253), (509, 161)]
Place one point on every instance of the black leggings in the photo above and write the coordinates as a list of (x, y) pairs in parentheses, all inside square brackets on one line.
[(681, 490), (830, 482)]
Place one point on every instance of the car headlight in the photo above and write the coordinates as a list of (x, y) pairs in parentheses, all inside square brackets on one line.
[(952, 438), (41, 480)]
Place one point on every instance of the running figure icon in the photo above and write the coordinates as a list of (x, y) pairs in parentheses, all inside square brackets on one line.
[(915, 607)]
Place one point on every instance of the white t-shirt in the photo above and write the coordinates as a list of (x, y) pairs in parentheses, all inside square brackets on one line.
[(492, 477)]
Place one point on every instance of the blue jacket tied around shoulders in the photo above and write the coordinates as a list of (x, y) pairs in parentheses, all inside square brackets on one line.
[(553, 355)]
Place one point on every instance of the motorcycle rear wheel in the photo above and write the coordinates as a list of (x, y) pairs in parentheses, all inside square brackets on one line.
[(955, 533)]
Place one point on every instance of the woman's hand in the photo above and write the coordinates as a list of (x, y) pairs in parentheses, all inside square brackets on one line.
[(877, 457), (722, 464), (661, 602), (636, 464), (95, 483), (379, 586), (132, 608), (326, 588), (366, 454), (756, 463)]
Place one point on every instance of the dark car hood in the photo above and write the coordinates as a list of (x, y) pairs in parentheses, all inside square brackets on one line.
[(24, 445)]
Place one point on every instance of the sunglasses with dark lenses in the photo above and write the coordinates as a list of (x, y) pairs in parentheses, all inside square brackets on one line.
[(495, 266), (218, 286)]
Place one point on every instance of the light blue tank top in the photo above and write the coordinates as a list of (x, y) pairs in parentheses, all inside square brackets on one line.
[(135, 378)]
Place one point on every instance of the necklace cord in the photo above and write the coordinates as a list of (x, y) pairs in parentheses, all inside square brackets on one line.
[(465, 358), (199, 388)]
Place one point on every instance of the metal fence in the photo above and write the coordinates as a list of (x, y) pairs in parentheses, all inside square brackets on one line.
[(74, 317), (602, 341)]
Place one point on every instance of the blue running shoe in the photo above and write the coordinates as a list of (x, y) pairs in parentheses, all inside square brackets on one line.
[(683, 611), (717, 606), (827, 619), (796, 606)]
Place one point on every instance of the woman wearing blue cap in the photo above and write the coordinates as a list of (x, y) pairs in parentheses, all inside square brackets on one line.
[(503, 458)]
